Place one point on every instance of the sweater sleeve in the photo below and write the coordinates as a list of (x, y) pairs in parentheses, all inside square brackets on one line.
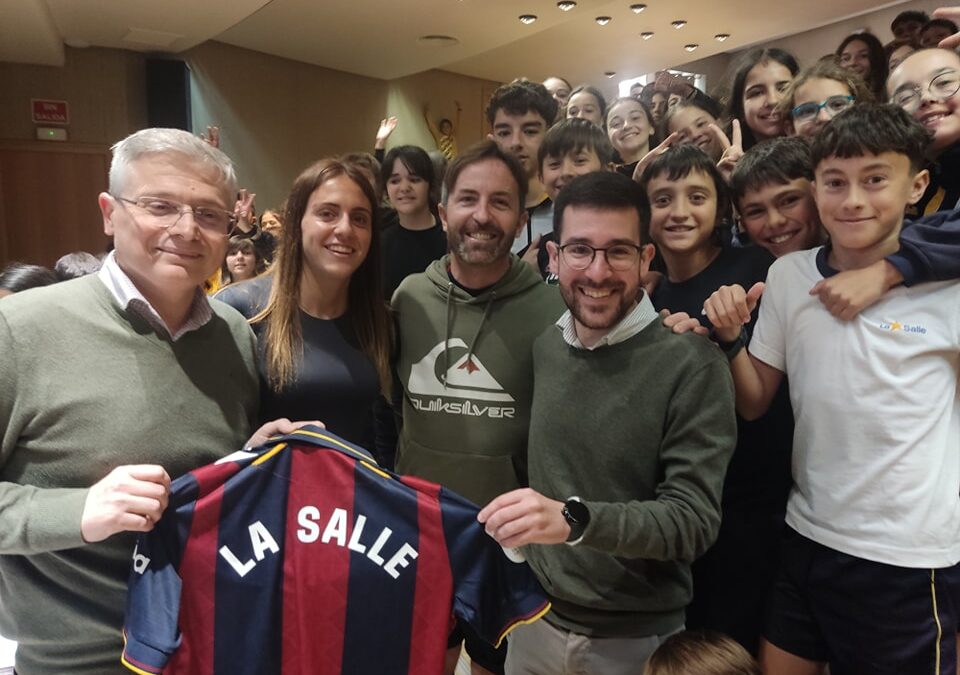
[(683, 520), (32, 519), (929, 248)]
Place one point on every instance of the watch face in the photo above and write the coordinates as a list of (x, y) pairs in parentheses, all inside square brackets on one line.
[(575, 511)]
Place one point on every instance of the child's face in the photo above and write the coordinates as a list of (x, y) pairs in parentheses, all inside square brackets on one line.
[(521, 136), (762, 92), (861, 199), (856, 57), (408, 192), (781, 218), (818, 90), (629, 129), (558, 171), (932, 73), (585, 105), (693, 125), (683, 213)]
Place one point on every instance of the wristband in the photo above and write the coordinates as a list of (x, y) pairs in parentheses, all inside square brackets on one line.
[(732, 348)]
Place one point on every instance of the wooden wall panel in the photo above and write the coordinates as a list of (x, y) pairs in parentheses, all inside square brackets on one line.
[(48, 200)]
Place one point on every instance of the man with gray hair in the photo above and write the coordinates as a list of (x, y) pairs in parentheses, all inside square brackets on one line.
[(109, 385)]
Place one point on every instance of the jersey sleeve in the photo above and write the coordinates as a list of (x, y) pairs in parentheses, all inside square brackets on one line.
[(929, 248), (151, 627), (491, 593)]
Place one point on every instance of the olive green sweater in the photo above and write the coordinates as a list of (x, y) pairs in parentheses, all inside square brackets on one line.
[(642, 432), (86, 387)]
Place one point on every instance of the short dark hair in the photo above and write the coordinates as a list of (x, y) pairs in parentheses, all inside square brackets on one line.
[(939, 23), (481, 152), (603, 190), (520, 97), (597, 94), (414, 158), (679, 162), (909, 15), (18, 276), (776, 161), (572, 135), (76, 264), (872, 129)]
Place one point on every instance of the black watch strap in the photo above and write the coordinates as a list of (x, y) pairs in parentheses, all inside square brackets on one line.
[(732, 348)]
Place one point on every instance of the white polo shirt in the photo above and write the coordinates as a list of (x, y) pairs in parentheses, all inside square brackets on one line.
[(876, 453)]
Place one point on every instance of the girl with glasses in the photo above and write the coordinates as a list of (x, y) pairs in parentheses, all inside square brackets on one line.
[(817, 94), (926, 85)]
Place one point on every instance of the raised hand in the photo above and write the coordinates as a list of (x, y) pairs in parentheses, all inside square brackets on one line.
[(953, 14), (129, 499), (729, 307), (243, 208), (732, 148), (387, 126), (668, 142)]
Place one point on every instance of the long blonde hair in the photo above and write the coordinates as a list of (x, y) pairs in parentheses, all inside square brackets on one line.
[(366, 307)]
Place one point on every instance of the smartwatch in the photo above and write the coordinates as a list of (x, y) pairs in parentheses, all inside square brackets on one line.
[(577, 516)]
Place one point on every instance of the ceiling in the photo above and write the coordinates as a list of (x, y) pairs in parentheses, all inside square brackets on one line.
[(379, 38)]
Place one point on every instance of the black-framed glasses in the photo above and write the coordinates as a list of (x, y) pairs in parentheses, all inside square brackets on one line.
[(620, 257), (941, 87), (806, 112), (166, 213)]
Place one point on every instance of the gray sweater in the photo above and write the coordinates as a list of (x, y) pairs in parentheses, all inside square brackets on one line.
[(86, 387), (642, 432)]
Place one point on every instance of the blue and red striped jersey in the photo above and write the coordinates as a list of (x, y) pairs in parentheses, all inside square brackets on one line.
[(304, 556)]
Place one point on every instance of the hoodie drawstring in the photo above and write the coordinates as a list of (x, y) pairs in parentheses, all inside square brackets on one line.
[(449, 327)]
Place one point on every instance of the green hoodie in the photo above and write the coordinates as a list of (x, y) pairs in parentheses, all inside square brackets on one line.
[(466, 367)]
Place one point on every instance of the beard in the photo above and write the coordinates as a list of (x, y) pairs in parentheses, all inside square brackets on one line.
[(473, 252), (599, 317)]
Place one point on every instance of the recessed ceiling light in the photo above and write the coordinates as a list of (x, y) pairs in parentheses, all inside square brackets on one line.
[(721, 37), (527, 18), (637, 8), (610, 73), (437, 41), (690, 47), (646, 35), (603, 20), (678, 24), (566, 5)]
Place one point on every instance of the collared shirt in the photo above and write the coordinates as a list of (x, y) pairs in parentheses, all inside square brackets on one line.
[(131, 299), (634, 322)]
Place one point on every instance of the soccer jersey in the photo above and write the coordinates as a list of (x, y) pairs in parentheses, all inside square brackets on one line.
[(303, 556)]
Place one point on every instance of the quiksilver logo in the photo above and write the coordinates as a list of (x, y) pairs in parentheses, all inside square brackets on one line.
[(466, 382)]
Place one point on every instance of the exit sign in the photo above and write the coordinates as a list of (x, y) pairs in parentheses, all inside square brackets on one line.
[(49, 112)]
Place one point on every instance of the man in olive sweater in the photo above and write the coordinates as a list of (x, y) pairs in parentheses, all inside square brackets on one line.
[(631, 431), (109, 385)]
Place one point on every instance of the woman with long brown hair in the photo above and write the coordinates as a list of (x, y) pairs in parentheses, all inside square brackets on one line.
[(319, 314)]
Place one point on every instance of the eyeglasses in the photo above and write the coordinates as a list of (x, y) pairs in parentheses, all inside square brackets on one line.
[(165, 213), (806, 112), (620, 257), (942, 87)]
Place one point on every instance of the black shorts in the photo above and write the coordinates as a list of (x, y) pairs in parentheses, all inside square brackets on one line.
[(480, 651), (863, 617)]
